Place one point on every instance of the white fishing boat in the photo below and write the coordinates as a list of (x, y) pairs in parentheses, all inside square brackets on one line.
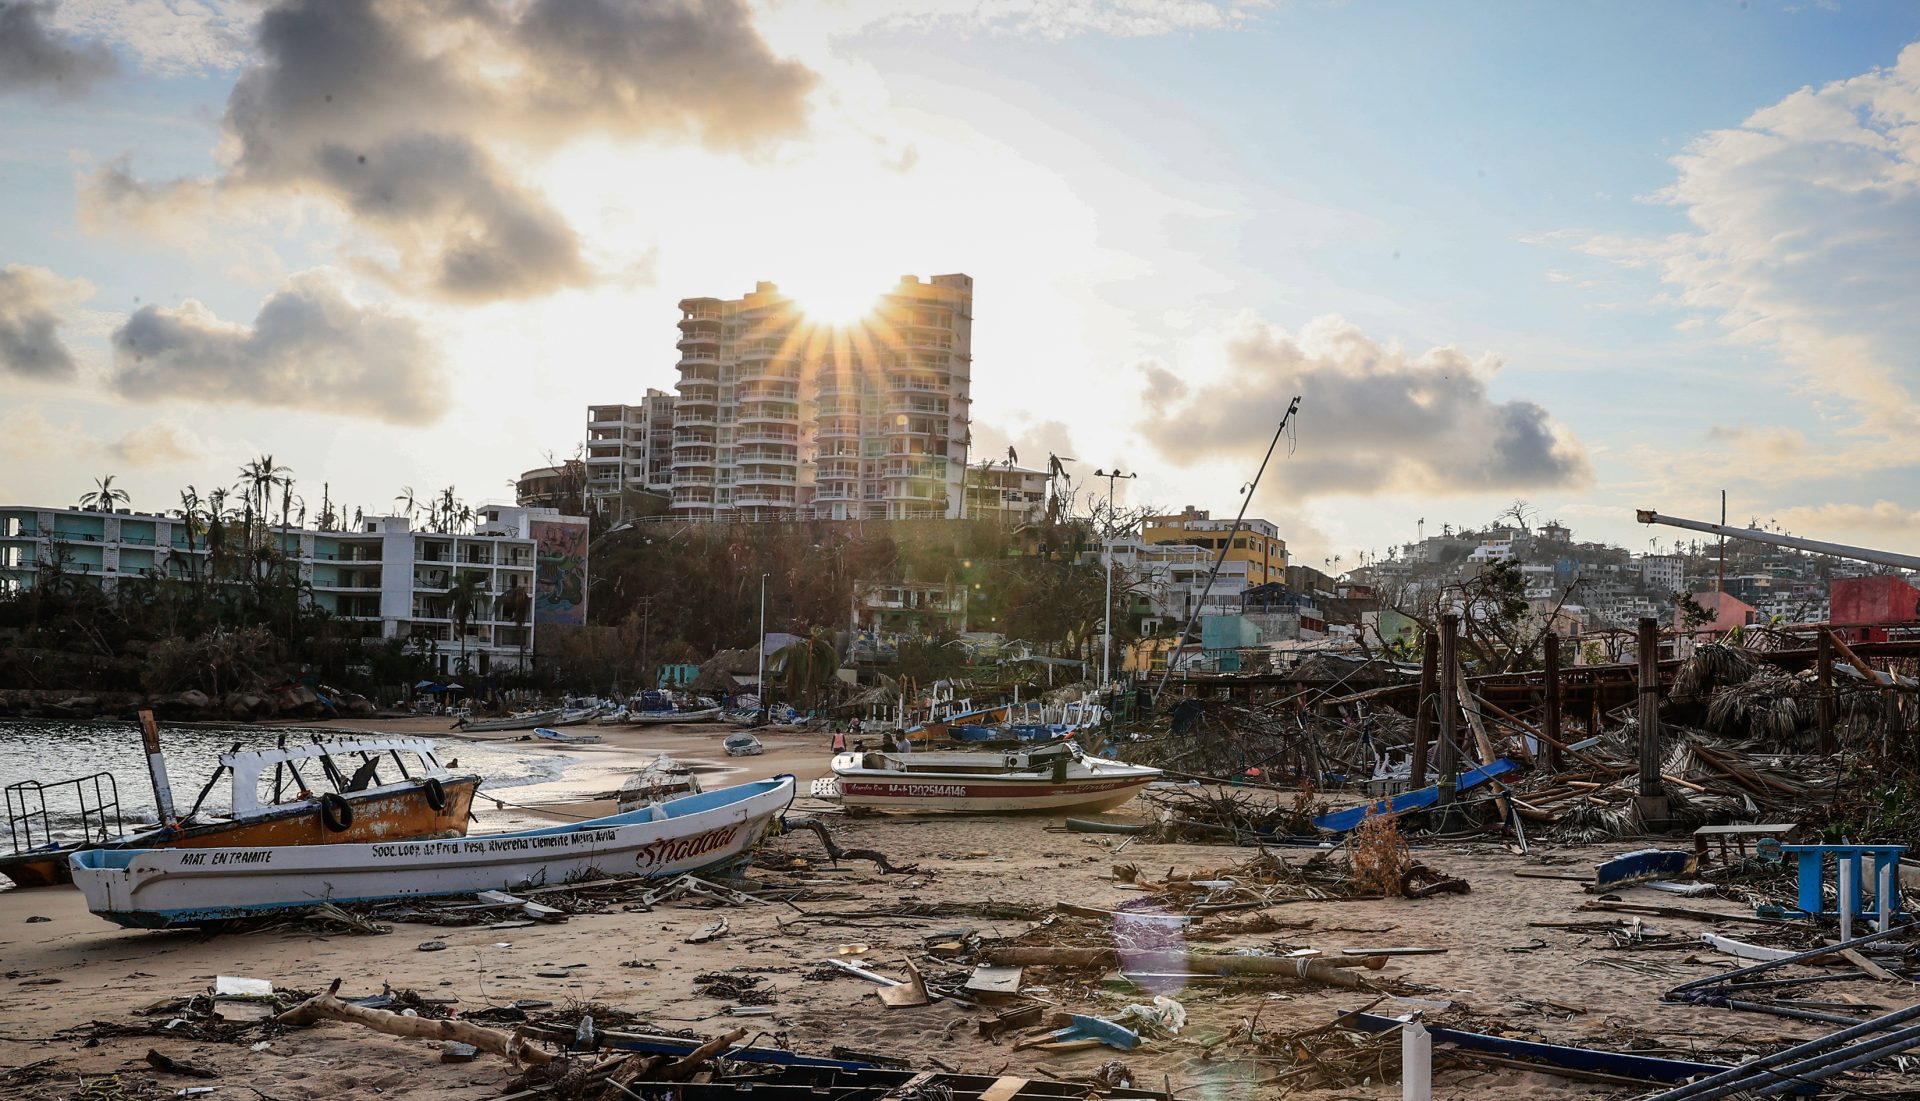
[(160, 888), (1054, 777), (526, 720), (547, 734), (650, 718)]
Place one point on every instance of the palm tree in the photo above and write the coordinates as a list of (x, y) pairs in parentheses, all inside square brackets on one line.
[(104, 495), (193, 524), (406, 495), (259, 478), (468, 593)]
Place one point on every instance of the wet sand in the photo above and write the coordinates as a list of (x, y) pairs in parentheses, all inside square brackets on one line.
[(74, 968)]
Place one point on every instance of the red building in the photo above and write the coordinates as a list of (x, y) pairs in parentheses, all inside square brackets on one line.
[(1865, 606)]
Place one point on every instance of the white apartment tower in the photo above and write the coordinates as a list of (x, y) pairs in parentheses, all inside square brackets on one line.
[(629, 448), (781, 418)]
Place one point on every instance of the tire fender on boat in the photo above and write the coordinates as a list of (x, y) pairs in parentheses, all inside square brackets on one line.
[(336, 812), (435, 792)]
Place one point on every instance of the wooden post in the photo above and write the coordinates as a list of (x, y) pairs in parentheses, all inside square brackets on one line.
[(1823, 698), (157, 767), (1553, 738), (1650, 709), (1593, 707), (1447, 759), (1423, 714)]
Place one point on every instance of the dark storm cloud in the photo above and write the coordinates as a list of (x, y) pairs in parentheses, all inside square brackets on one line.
[(416, 116), (310, 348), (1379, 421), (30, 344), (31, 56)]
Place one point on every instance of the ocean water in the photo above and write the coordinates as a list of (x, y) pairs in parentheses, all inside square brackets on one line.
[(49, 751)]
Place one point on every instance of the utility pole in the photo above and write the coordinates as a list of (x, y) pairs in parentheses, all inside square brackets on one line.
[(1106, 630), (760, 688), (646, 632)]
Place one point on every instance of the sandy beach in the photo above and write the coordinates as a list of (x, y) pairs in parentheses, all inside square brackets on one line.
[(64, 969)]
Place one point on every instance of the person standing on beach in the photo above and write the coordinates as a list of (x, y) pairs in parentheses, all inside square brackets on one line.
[(839, 741)]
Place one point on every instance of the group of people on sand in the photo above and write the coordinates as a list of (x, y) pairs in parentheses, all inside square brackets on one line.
[(900, 743)]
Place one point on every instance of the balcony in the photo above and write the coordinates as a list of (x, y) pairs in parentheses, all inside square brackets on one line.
[(693, 418), (691, 358), (693, 497), (787, 457), (698, 340), (838, 428), (689, 457), (695, 438), (922, 406), (769, 413), (691, 478), (761, 499), (768, 434)]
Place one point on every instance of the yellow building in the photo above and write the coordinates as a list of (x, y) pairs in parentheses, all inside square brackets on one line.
[(1256, 542)]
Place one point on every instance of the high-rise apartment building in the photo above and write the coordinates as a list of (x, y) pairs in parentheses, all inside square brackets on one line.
[(781, 418), (629, 448)]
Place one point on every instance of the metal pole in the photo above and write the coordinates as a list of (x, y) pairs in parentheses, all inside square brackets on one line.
[(1106, 621), (1423, 716), (1707, 1087), (1553, 702), (761, 687), (1227, 544), (1416, 1062), (1720, 580), (1650, 709), (1449, 709)]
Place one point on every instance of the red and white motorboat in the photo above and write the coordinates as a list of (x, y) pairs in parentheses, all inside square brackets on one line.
[(1056, 777)]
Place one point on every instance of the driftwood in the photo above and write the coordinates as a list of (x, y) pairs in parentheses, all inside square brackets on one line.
[(1330, 971), (329, 1007)]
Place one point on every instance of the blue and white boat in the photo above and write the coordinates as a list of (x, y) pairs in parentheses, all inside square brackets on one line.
[(161, 888)]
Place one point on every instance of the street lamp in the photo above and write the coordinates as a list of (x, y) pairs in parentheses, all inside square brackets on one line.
[(1106, 631)]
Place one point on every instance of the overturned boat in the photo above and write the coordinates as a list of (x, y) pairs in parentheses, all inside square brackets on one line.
[(1057, 777), (161, 888), (316, 793)]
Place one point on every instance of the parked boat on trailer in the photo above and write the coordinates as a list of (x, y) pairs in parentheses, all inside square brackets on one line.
[(162, 888)]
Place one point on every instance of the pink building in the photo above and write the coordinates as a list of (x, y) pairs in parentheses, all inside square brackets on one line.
[(1864, 606)]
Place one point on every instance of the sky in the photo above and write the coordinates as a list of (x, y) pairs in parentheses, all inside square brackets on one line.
[(1589, 257)]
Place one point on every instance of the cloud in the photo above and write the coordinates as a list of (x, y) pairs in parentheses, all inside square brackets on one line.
[(311, 348), (30, 343), (32, 57), (1031, 439), (1060, 19), (1805, 237), (1373, 419), (160, 443), (1881, 517), (169, 37), (26, 433), (414, 115)]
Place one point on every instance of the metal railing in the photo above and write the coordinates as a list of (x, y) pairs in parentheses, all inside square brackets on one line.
[(27, 804)]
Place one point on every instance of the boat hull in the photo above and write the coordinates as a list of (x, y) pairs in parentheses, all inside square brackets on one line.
[(652, 718), (988, 795), (377, 816), (162, 888)]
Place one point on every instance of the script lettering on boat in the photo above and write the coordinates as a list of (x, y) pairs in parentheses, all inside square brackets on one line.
[(224, 856), (667, 850)]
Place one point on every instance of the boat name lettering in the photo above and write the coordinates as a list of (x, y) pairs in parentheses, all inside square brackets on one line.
[(943, 790), (224, 856), (495, 845), (667, 849)]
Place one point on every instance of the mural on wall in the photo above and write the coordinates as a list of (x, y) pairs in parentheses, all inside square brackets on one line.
[(559, 573)]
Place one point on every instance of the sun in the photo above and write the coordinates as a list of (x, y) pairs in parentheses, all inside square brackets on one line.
[(834, 301)]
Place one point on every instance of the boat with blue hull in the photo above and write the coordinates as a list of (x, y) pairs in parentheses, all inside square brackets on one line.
[(163, 888)]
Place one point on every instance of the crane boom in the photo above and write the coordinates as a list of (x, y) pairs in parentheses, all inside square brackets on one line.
[(1755, 535)]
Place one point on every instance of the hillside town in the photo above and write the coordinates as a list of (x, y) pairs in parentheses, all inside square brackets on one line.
[(1369, 555)]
